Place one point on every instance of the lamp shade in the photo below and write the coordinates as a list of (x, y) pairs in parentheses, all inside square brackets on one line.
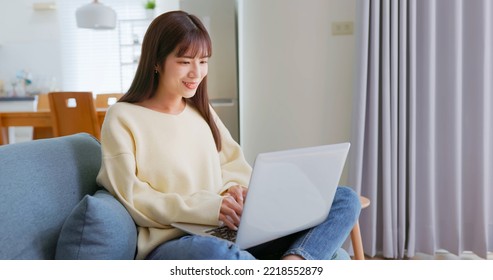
[(96, 16)]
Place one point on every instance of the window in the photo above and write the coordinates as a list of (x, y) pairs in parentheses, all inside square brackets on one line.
[(91, 59)]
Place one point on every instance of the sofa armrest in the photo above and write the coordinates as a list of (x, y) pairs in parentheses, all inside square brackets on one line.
[(40, 183)]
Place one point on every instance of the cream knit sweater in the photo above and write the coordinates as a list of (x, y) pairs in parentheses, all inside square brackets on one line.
[(166, 168)]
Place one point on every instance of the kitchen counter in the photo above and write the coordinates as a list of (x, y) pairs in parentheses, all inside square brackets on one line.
[(16, 98)]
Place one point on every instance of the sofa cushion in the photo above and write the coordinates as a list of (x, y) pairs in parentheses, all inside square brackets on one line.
[(99, 228), (40, 183)]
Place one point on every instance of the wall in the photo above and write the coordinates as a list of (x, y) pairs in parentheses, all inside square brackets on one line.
[(29, 40), (295, 77)]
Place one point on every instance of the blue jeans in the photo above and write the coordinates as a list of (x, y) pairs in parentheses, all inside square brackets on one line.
[(322, 242)]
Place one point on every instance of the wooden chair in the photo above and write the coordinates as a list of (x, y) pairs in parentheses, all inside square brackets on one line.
[(43, 105), (105, 100), (359, 253), (73, 112), (43, 102)]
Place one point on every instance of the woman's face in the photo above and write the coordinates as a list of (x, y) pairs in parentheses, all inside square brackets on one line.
[(182, 75)]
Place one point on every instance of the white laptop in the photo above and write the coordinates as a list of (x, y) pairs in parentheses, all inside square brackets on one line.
[(289, 191)]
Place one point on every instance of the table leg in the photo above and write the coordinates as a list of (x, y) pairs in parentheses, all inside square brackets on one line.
[(4, 135)]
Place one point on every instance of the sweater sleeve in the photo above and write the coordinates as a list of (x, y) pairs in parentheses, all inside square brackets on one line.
[(235, 169), (147, 206)]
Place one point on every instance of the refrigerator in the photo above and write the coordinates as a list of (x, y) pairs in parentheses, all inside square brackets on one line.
[(219, 17)]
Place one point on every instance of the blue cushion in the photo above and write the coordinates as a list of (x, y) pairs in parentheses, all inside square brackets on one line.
[(99, 228)]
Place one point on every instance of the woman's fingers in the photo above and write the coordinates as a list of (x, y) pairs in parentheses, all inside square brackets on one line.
[(239, 193), (227, 222), (230, 212), (232, 206)]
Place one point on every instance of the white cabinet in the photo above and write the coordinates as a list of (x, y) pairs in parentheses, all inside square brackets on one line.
[(131, 34)]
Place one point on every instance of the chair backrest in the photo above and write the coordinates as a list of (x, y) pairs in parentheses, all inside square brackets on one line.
[(105, 100), (43, 102), (73, 112), (43, 105)]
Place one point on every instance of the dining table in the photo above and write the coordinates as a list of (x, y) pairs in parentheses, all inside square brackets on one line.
[(40, 118)]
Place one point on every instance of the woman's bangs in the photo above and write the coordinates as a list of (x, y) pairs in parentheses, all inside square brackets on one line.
[(195, 45)]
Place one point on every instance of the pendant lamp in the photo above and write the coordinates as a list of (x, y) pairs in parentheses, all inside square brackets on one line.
[(95, 16)]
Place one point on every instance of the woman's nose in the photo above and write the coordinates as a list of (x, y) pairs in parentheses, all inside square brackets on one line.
[(194, 71)]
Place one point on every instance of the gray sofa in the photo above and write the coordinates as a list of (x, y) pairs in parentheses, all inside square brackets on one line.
[(52, 208)]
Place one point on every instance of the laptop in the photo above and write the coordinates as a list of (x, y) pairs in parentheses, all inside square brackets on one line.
[(289, 191)]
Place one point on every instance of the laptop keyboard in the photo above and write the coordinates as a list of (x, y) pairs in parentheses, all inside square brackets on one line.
[(223, 232)]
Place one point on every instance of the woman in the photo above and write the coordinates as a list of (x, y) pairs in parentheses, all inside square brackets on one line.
[(168, 157)]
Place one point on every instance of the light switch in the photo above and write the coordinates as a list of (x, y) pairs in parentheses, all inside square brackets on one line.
[(342, 28)]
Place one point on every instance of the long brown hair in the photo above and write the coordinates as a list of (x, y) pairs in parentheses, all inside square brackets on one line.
[(167, 32)]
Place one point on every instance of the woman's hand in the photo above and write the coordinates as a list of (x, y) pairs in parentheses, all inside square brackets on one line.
[(232, 206), (238, 193)]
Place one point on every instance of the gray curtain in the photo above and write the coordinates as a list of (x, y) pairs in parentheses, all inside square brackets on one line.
[(422, 140)]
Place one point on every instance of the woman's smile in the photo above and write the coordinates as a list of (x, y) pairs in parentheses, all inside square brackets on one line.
[(191, 85)]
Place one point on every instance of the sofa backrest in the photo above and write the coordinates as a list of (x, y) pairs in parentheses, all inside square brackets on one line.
[(40, 183)]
